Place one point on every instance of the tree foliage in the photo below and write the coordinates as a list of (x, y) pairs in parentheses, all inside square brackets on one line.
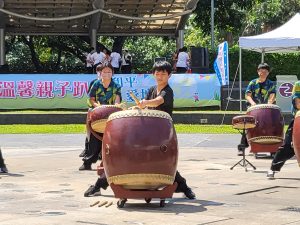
[(59, 54), (267, 15), (229, 17)]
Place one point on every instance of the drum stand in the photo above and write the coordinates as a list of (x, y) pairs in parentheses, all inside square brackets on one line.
[(243, 162)]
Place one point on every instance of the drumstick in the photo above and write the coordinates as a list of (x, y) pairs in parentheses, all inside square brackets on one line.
[(109, 204), (103, 203), (137, 101), (96, 203)]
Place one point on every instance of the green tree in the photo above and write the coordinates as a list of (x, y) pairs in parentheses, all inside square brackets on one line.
[(267, 15), (229, 18)]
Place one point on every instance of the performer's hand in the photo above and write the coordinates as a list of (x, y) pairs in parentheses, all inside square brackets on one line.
[(253, 104), (142, 104), (134, 107)]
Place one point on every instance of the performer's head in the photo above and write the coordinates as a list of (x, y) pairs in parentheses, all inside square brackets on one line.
[(105, 71), (162, 72), (263, 70)]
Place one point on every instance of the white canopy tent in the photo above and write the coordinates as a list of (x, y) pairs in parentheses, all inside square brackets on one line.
[(284, 39)]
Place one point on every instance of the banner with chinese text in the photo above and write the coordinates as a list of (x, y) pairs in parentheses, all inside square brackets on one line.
[(69, 91)]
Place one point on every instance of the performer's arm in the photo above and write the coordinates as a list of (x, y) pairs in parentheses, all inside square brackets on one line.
[(271, 99), (152, 102), (118, 99), (249, 98), (93, 102)]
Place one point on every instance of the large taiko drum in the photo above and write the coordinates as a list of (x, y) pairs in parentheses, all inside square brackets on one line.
[(269, 125), (296, 136), (140, 149), (99, 115)]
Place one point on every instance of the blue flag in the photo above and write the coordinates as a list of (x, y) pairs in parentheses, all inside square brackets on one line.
[(221, 64)]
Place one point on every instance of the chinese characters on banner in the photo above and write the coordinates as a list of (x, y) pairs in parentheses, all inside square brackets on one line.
[(50, 91)]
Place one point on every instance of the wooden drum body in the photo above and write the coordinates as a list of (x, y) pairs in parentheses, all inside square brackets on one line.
[(296, 136), (140, 149), (268, 134), (99, 115)]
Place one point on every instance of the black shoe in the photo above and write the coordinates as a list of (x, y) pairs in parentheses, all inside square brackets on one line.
[(189, 194), (83, 153), (92, 191), (85, 167), (3, 169)]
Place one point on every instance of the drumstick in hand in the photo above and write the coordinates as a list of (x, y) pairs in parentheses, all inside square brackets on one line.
[(136, 100)]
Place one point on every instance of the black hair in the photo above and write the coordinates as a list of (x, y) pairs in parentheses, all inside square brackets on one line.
[(184, 49), (263, 66), (101, 66), (162, 66)]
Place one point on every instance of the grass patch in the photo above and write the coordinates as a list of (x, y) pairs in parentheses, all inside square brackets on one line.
[(80, 128), (42, 129), (205, 129)]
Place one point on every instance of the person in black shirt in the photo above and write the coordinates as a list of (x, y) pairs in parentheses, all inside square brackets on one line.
[(161, 97)]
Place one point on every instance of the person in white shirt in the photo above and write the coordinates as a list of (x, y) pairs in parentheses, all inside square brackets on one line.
[(115, 61), (89, 61), (126, 62), (97, 57), (182, 61)]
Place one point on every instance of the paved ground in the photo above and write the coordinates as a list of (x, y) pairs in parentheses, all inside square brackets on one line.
[(44, 186)]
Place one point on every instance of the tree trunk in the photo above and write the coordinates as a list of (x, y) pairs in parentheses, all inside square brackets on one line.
[(58, 62), (118, 44), (34, 58)]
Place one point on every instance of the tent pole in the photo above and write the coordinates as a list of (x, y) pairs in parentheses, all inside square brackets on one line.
[(263, 56), (240, 77)]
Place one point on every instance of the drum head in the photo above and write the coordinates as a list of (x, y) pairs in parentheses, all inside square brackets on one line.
[(139, 113), (243, 122), (263, 106), (99, 125)]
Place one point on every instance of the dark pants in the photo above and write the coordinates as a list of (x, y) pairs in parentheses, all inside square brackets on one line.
[(126, 69), (182, 186), (89, 70), (116, 70), (285, 151), (1, 160), (93, 152), (181, 70)]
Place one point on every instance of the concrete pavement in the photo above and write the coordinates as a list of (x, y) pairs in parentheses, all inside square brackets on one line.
[(44, 186)]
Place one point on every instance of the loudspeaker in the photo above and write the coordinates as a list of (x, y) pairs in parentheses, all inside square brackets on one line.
[(199, 57)]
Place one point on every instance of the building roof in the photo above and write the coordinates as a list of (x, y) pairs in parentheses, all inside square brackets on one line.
[(104, 23)]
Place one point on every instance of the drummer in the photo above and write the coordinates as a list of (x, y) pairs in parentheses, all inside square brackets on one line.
[(286, 151), (259, 91), (104, 91), (86, 143), (159, 97)]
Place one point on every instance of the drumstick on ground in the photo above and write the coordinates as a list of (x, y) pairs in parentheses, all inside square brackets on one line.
[(95, 203), (109, 204), (102, 204), (137, 101)]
